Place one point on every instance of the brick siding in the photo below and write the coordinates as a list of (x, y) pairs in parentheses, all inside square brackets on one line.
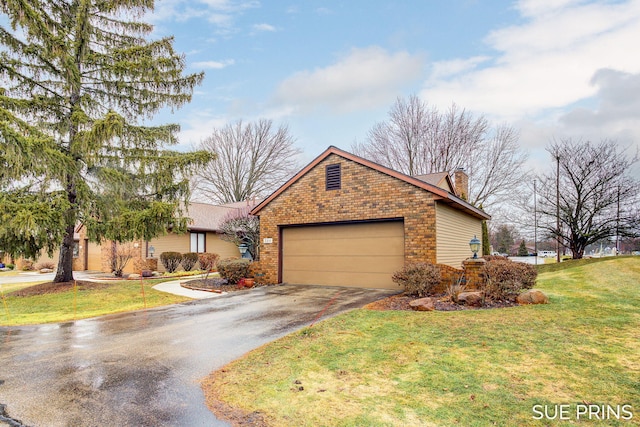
[(365, 194)]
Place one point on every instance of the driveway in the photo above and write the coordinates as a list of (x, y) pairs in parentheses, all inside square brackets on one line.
[(143, 368)]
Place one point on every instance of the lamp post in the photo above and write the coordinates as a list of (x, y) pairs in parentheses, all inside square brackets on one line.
[(242, 247), (474, 244), (151, 251)]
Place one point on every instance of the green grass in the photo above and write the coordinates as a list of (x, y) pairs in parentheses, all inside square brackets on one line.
[(118, 296), (468, 368), (554, 266)]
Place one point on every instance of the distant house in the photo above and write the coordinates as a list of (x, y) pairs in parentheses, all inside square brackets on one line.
[(347, 221), (202, 235)]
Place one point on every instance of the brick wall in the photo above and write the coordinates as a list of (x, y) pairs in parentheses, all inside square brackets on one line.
[(365, 194), (474, 272)]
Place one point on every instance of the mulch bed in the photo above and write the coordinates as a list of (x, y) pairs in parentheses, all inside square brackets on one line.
[(214, 284), (54, 288), (401, 302)]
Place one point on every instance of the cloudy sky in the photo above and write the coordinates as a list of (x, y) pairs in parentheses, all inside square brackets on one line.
[(331, 69)]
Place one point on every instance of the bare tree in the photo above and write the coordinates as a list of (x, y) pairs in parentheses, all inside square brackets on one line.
[(597, 199), (253, 160), (120, 255), (239, 227), (496, 168), (418, 139)]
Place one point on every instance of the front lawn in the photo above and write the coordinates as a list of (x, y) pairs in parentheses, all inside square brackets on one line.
[(467, 368), (88, 300)]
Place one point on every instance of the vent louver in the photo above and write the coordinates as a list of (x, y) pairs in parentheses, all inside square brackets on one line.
[(333, 177)]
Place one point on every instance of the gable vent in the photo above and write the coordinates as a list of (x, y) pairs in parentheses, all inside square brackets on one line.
[(333, 177)]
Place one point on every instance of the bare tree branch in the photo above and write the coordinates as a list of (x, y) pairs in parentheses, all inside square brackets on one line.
[(253, 160), (418, 139)]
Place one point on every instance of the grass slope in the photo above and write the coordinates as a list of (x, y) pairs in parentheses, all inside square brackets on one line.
[(113, 297), (470, 368)]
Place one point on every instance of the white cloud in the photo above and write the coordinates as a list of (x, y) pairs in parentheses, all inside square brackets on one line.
[(219, 12), (364, 79), (216, 65), (569, 70), (545, 63), (264, 27)]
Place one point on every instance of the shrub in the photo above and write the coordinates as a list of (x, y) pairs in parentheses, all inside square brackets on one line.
[(495, 258), (170, 260), (189, 260), (233, 269), (419, 279), (208, 261), (27, 265), (49, 265), (506, 279), (10, 266), (455, 287)]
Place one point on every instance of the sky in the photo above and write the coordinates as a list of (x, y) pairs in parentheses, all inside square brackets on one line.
[(330, 70)]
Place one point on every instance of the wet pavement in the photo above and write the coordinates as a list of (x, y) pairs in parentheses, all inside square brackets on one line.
[(143, 368)]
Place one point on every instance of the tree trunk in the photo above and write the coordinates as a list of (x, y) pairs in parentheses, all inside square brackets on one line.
[(65, 262)]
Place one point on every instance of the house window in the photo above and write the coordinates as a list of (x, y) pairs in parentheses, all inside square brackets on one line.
[(333, 177), (198, 242), (76, 249)]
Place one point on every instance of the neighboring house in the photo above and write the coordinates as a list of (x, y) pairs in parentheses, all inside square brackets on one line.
[(346, 221), (203, 232), (202, 236)]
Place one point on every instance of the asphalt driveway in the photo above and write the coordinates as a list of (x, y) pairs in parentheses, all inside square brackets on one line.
[(143, 368)]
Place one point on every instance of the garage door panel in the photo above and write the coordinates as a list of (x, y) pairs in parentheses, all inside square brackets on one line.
[(344, 264), (332, 278), (359, 255), (345, 247), (327, 232)]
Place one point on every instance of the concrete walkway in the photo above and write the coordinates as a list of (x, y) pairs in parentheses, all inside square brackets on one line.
[(174, 287)]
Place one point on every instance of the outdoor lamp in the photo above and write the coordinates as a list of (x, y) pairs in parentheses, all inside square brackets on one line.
[(474, 244), (242, 248), (151, 251)]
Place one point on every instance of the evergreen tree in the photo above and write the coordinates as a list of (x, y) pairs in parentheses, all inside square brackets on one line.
[(79, 77), (486, 244), (522, 249)]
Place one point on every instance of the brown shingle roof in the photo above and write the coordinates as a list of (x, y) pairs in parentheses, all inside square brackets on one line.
[(206, 217), (439, 179)]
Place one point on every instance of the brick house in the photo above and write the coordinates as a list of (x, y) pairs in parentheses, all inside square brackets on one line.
[(347, 221)]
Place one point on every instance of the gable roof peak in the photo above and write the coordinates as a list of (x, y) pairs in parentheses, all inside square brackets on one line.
[(440, 193)]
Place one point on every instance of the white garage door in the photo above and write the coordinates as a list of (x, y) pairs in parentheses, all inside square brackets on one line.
[(361, 255)]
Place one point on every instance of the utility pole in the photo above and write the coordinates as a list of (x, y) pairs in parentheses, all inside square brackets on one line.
[(618, 224), (535, 222), (558, 207)]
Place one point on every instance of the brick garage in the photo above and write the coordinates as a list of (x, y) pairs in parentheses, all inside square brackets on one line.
[(339, 191)]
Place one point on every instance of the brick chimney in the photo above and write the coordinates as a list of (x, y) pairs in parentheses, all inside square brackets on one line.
[(461, 183)]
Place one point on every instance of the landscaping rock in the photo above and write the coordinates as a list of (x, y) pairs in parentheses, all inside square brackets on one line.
[(472, 299), (46, 270), (134, 276), (423, 304), (532, 296)]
